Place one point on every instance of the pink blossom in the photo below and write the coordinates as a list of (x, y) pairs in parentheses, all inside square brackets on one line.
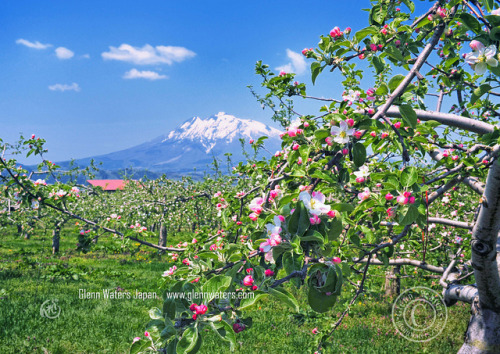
[(315, 220), (268, 273), (391, 213), (384, 135), (146, 334), (315, 331), (374, 134), (397, 125), (136, 339), (364, 195), (360, 179), (402, 200), (357, 134), (295, 146), (248, 280), (336, 260), (389, 197), (350, 122), (345, 151), (282, 73), (329, 140), (335, 33), (332, 213), (201, 310)]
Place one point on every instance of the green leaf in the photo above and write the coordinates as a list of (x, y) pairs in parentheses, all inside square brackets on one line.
[(395, 81), (217, 284), (316, 237), (395, 53), (324, 175), (410, 216), (280, 249), (359, 154), (319, 301), (299, 221), (409, 115), (188, 340), (225, 332), (322, 134), (343, 207), (168, 331), (250, 301), (470, 21), (478, 92), (316, 69), (155, 314), (285, 297), (377, 64), (140, 346), (377, 15), (292, 262), (409, 4), (382, 90), (409, 176), (365, 32), (336, 228)]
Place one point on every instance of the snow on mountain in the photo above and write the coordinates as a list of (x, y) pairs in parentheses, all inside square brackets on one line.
[(193, 144), (219, 127)]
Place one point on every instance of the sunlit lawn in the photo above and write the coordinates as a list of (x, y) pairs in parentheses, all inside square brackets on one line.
[(30, 275)]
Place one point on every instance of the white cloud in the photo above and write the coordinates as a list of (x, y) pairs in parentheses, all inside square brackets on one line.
[(64, 53), (86, 56), (148, 54), (297, 65), (63, 87), (149, 75), (34, 45)]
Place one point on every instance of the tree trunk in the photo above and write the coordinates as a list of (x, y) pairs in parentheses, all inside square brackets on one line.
[(392, 281), (55, 239), (162, 241), (483, 332)]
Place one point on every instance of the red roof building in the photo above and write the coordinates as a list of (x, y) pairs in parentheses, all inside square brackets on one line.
[(108, 184)]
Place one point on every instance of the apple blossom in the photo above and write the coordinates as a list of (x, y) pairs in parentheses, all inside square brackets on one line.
[(248, 280), (315, 220), (481, 57), (342, 133), (314, 203), (364, 195)]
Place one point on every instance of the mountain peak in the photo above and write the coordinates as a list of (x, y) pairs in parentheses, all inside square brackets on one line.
[(219, 128)]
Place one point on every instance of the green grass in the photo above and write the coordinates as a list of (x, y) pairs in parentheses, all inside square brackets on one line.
[(30, 275)]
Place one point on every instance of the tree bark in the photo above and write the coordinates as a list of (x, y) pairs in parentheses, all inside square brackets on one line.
[(162, 241), (392, 281), (55, 239), (483, 332)]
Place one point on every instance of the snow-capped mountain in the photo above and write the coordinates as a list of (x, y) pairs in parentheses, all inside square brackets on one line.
[(192, 145)]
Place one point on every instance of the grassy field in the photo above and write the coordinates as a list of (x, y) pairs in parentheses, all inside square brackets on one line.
[(30, 275)]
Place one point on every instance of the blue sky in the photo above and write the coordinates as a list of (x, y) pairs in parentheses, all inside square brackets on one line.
[(94, 77)]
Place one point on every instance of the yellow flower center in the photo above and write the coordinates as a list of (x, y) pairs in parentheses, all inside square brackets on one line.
[(342, 134)]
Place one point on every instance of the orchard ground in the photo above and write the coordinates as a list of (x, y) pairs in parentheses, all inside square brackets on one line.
[(30, 275)]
